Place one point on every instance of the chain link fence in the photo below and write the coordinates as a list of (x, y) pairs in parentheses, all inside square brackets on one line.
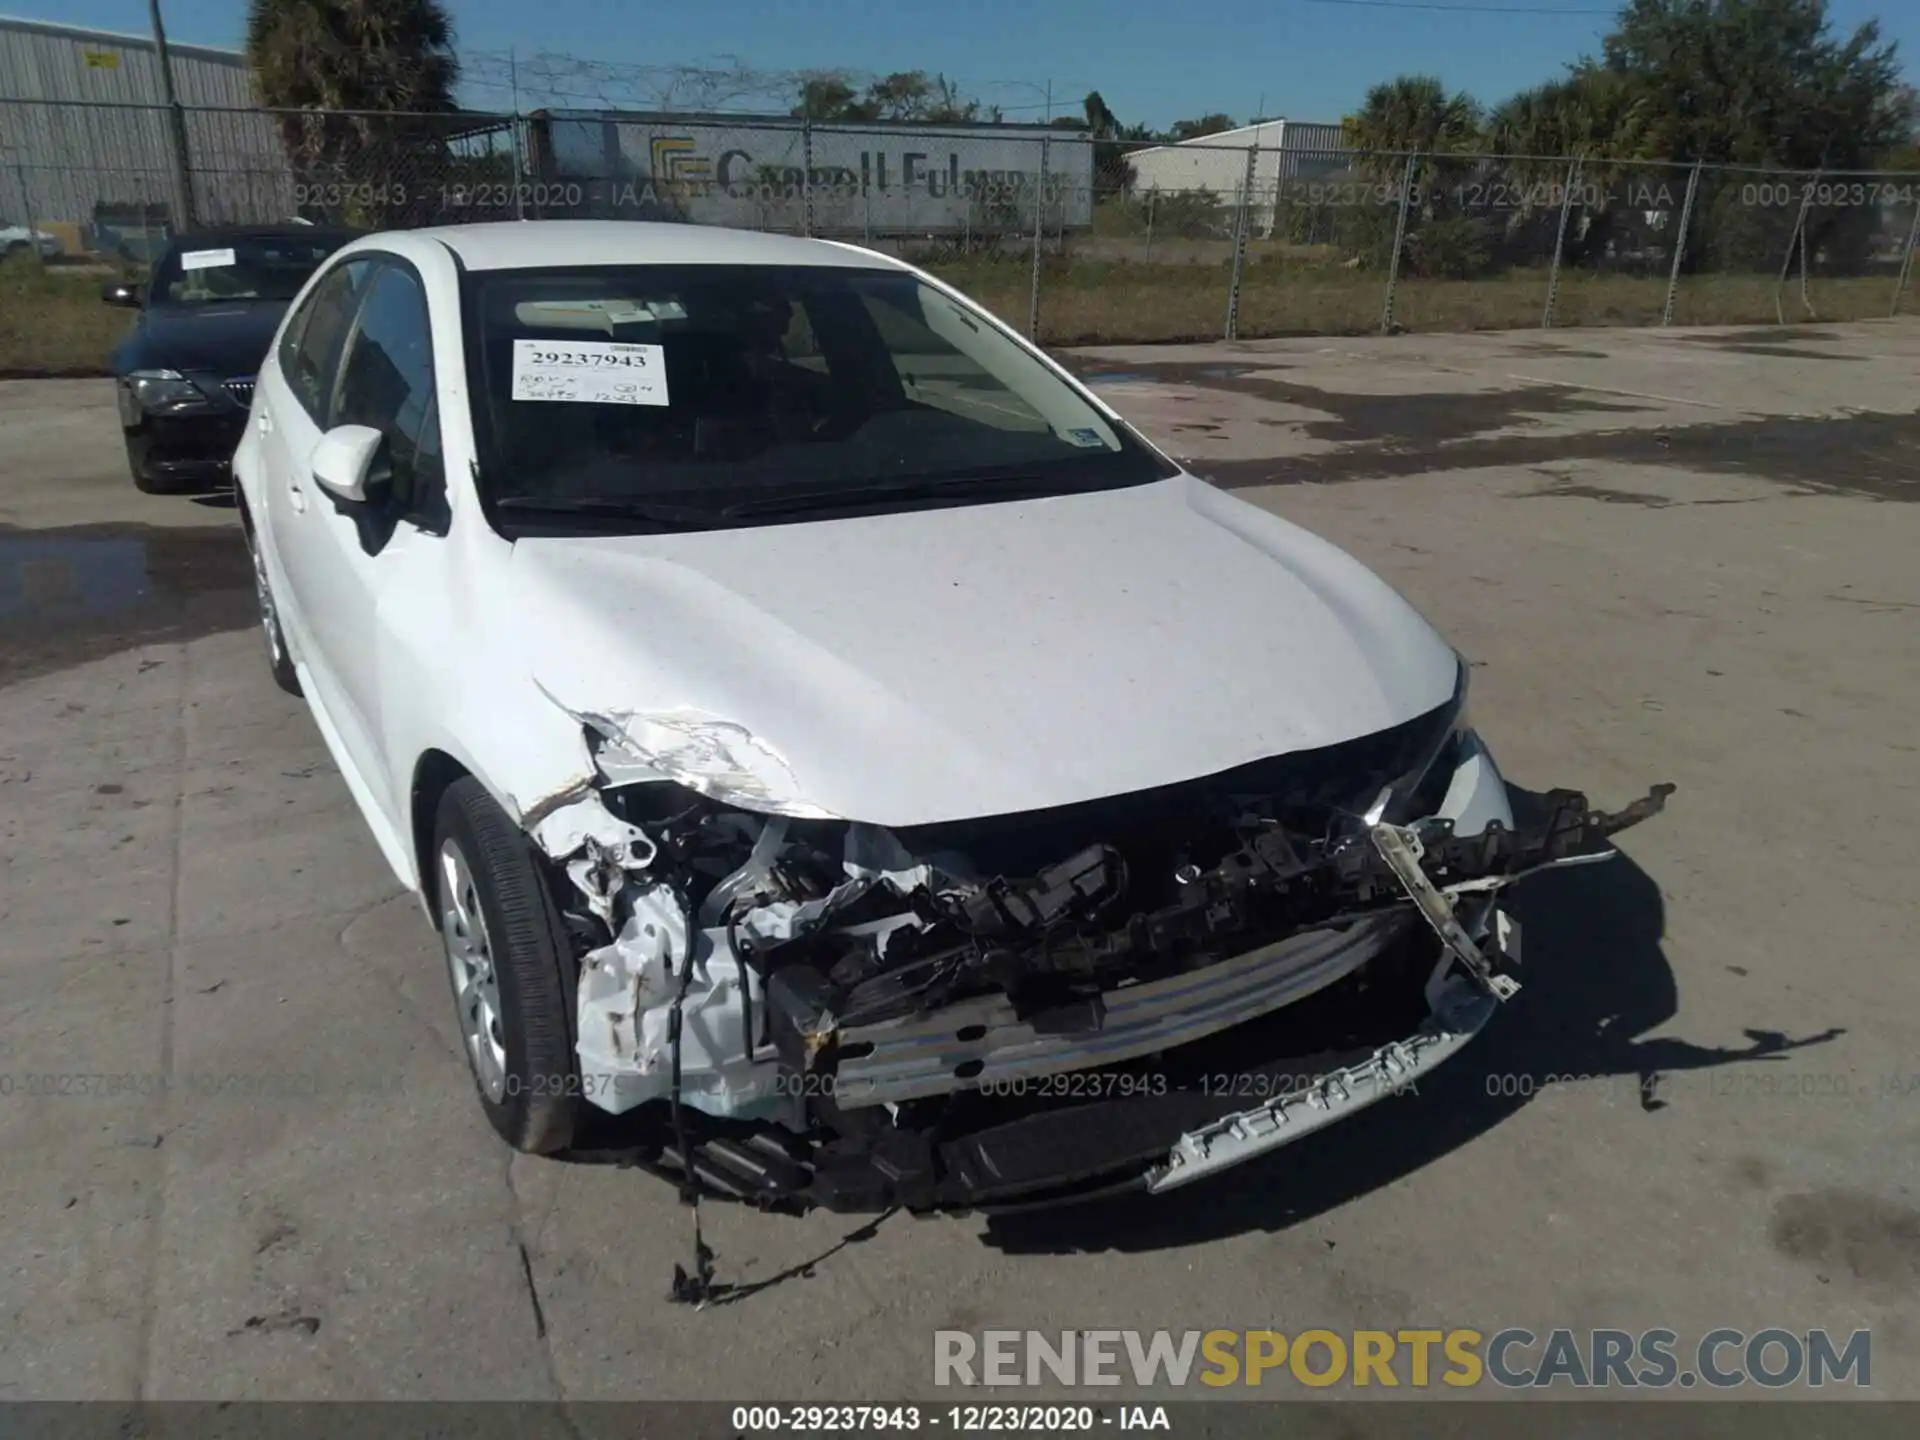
[(1071, 239)]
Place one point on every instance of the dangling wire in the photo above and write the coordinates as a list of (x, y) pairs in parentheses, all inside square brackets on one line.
[(697, 1288)]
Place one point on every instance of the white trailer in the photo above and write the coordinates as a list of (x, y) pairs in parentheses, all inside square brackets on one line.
[(779, 174)]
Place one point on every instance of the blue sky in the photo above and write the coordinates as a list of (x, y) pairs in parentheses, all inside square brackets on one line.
[(1154, 60)]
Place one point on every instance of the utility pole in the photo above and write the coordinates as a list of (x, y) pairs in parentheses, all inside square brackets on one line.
[(513, 130), (176, 124)]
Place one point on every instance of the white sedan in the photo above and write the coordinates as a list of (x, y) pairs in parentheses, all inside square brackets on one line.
[(19, 239), (818, 725)]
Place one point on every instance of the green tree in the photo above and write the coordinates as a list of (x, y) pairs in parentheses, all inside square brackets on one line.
[(1591, 111), (906, 96), (1764, 82), (831, 96), (1760, 82), (1599, 115), (1111, 172), (363, 76), (1201, 128), (1414, 113)]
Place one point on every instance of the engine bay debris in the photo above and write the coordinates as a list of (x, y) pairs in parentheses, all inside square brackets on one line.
[(845, 1014)]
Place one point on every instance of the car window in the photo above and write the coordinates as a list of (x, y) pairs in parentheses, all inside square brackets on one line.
[(707, 387), (209, 269), (317, 333), (290, 336), (386, 380), (936, 372)]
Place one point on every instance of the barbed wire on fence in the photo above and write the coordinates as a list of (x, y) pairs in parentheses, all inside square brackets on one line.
[(546, 78), (1071, 237)]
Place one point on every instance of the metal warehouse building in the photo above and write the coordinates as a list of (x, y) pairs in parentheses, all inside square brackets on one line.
[(83, 138), (1284, 151)]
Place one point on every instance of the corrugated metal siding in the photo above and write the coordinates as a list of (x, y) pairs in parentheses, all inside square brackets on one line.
[(47, 62), (1289, 150), (102, 139), (1220, 169)]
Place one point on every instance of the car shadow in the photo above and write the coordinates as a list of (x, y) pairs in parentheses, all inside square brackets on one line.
[(1595, 981)]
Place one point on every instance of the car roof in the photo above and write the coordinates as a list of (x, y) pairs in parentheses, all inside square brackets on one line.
[(534, 244)]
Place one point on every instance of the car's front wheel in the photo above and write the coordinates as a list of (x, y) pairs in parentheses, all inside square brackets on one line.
[(504, 959), (284, 675)]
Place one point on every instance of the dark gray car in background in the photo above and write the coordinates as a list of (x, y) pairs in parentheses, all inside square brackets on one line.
[(185, 370)]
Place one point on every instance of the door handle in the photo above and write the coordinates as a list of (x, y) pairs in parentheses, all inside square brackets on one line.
[(296, 496)]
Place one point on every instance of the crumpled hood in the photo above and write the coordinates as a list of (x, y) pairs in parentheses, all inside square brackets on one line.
[(979, 660)]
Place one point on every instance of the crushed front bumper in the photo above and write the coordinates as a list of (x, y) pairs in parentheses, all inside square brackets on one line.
[(975, 1104), (1475, 972), (1461, 1009), (983, 1042), (1478, 957)]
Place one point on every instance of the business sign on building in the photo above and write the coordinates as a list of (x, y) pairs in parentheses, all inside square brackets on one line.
[(766, 174)]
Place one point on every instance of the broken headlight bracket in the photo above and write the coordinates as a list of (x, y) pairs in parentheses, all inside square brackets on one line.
[(1571, 831), (1400, 847)]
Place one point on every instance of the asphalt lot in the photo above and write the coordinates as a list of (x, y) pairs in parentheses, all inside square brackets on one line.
[(1680, 556)]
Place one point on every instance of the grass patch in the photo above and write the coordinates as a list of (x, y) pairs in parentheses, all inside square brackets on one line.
[(1085, 302), (52, 320)]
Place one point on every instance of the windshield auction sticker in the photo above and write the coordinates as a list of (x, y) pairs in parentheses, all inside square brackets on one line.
[(206, 259), (589, 372)]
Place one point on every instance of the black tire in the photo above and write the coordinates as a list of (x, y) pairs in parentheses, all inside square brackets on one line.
[(279, 660), (538, 1106)]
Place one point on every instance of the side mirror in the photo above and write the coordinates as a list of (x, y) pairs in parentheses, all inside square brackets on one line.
[(343, 461), (121, 292)]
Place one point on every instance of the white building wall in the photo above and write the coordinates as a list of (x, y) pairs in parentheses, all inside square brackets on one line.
[(1285, 150)]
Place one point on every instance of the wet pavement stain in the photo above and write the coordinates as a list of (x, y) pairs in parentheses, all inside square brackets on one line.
[(1869, 456), (1561, 488), (72, 595), (1390, 421), (1873, 457), (1606, 496), (1554, 352), (1789, 352), (1759, 335), (1861, 1236)]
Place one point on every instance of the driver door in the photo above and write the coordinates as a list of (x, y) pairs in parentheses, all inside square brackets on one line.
[(383, 554), (300, 392)]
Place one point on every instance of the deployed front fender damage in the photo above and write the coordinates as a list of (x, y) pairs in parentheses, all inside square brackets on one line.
[(860, 1003)]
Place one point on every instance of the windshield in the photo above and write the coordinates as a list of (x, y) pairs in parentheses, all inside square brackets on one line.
[(242, 267), (703, 396)]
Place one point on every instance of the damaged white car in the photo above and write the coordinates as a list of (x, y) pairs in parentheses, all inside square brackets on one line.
[(813, 719)]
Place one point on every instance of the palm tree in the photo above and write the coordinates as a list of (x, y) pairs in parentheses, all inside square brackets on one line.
[(352, 54), (1414, 113), (342, 74), (1591, 112), (1600, 117)]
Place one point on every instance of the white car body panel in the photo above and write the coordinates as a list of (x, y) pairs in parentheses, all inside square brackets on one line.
[(984, 659), (895, 669)]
